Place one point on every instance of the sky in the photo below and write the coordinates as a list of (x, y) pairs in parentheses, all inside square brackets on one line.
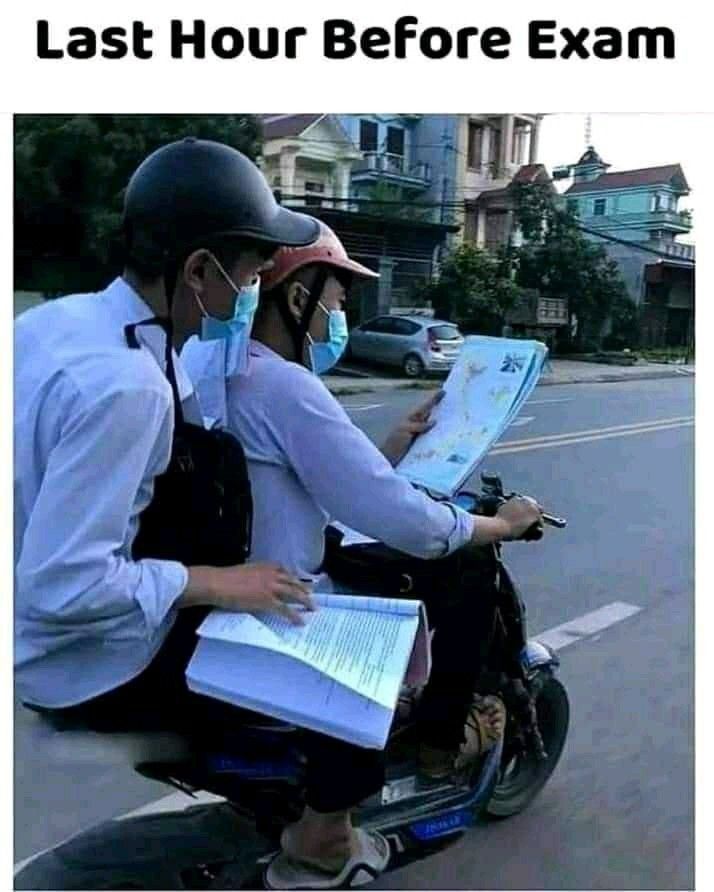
[(628, 141)]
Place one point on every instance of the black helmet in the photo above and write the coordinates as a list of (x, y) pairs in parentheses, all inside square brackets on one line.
[(193, 190)]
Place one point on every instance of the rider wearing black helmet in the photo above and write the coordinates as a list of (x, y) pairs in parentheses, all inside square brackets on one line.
[(190, 204), (95, 422)]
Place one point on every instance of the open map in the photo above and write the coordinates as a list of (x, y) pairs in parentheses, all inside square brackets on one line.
[(484, 391)]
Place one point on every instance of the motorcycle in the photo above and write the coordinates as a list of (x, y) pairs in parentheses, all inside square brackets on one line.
[(260, 775)]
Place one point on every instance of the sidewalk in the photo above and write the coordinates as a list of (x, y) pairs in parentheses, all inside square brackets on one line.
[(564, 371)]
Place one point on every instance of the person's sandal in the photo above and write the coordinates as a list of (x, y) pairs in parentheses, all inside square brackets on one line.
[(371, 859), (484, 727)]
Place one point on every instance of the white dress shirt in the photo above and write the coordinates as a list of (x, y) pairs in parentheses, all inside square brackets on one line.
[(93, 427), (309, 464)]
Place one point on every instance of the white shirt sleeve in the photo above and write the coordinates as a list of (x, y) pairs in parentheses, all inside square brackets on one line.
[(73, 568), (350, 479)]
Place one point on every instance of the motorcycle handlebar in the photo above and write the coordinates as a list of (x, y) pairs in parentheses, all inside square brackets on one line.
[(489, 504)]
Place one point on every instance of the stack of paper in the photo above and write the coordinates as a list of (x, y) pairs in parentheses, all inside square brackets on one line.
[(484, 392), (339, 674)]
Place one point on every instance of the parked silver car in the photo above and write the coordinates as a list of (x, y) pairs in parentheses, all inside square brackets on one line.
[(417, 344)]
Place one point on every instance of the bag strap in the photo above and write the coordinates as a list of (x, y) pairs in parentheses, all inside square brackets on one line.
[(164, 323)]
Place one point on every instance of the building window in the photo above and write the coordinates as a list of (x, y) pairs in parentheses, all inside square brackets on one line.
[(470, 226), (368, 136), (661, 201), (599, 207), (395, 141), (475, 157), (573, 205), (314, 193)]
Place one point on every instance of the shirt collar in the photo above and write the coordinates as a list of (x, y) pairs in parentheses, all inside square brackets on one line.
[(128, 303), (131, 307)]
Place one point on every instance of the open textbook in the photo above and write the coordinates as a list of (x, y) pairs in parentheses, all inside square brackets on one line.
[(485, 390), (340, 673)]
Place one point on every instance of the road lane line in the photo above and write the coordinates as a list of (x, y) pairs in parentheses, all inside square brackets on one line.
[(546, 402), (363, 408), (586, 625), (573, 441), (177, 801), (558, 637), (597, 430), (172, 803)]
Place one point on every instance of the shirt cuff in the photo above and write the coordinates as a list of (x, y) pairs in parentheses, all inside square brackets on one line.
[(162, 584), (463, 530)]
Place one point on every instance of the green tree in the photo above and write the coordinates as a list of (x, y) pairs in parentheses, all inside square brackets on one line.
[(388, 201), (474, 289), (70, 175), (625, 330), (557, 259), (534, 206)]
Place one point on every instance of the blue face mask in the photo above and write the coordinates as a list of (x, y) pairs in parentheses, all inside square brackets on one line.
[(236, 330), (326, 354)]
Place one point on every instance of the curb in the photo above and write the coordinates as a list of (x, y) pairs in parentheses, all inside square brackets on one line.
[(352, 389)]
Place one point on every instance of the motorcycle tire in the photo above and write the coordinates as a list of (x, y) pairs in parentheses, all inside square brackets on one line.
[(524, 775)]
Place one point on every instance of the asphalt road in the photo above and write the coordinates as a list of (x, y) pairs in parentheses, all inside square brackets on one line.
[(618, 812)]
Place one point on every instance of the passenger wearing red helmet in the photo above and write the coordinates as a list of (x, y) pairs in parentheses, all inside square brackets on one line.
[(309, 465)]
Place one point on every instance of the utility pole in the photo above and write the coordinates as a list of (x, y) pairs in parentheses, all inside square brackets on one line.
[(446, 140)]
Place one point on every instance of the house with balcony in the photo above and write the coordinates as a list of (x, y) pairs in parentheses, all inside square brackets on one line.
[(391, 162), (308, 159), (316, 163), (635, 216), (635, 205), (491, 150), (453, 171)]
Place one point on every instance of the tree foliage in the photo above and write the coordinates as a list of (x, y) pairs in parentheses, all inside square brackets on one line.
[(625, 325), (561, 262), (388, 201), (70, 175), (474, 289)]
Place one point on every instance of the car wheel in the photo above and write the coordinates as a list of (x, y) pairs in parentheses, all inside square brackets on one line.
[(412, 366)]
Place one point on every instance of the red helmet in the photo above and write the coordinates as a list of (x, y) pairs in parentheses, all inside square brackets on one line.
[(326, 249)]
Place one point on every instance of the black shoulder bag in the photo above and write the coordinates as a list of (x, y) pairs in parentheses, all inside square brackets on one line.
[(201, 512)]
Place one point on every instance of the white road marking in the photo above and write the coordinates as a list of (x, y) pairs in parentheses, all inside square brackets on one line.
[(172, 803), (558, 637), (570, 441), (22, 864), (545, 402), (586, 625), (597, 430), (363, 408), (519, 422), (177, 801)]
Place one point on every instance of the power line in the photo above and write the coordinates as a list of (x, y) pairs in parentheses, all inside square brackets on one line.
[(453, 203), (452, 206), (350, 143)]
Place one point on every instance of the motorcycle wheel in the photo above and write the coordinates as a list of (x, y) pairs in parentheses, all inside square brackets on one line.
[(524, 775)]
